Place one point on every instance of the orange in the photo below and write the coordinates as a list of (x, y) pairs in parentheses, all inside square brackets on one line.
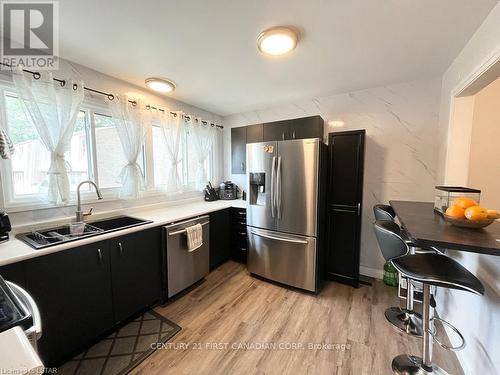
[(493, 214), (455, 212), (476, 213), (464, 202)]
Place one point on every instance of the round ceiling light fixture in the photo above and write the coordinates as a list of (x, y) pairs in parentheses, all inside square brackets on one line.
[(277, 41), (162, 85)]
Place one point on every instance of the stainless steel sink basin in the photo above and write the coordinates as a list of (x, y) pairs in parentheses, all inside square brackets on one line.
[(40, 239), (119, 222)]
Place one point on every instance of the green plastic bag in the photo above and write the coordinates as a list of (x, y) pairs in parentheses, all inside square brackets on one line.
[(390, 275)]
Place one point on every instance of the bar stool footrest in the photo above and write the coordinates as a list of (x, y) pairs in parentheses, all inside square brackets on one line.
[(454, 329)]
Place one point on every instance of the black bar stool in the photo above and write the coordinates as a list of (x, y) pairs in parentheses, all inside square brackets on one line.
[(384, 212), (431, 269), (388, 235), (406, 319)]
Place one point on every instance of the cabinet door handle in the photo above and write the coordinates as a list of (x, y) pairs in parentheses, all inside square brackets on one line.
[(359, 209), (120, 248), (283, 135), (242, 166), (293, 134), (99, 255), (243, 233)]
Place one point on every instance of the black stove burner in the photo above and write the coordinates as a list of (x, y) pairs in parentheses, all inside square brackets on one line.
[(12, 312), (4, 316)]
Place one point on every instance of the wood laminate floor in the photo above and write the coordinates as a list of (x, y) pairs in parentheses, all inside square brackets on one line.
[(232, 309)]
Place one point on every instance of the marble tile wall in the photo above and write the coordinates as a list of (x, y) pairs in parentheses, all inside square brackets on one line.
[(401, 146)]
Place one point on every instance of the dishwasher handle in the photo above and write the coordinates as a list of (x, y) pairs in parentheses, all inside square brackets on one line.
[(180, 231)]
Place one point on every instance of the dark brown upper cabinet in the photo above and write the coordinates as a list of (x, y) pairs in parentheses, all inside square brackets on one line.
[(307, 127), (238, 150), (255, 133), (277, 131), (301, 128)]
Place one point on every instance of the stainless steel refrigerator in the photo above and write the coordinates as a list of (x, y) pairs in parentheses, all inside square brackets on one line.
[(284, 211)]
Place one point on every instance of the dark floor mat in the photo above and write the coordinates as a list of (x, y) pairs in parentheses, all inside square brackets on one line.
[(124, 349)]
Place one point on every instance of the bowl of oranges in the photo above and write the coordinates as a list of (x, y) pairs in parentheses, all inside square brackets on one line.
[(467, 213)]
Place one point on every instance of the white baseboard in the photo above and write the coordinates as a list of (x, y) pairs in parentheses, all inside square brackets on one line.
[(371, 272)]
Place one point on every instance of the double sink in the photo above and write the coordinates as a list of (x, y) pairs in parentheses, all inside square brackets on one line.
[(40, 239)]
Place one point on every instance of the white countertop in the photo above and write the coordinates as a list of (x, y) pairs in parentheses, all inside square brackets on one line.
[(15, 250), (17, 355)]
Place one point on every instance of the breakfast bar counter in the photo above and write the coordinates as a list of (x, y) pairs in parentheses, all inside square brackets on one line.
[(427, 228)]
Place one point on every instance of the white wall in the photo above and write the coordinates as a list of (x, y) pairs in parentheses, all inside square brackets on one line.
[(477, 317), (401, 146), (481, 52), (484, 164), (102, 82), (461, 117)]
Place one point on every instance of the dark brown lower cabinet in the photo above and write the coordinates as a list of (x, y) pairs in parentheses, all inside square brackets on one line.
[(15, 273), (135, 272), (220, 237), (343, 245), (84, 292), (239, 234), (73, 292)]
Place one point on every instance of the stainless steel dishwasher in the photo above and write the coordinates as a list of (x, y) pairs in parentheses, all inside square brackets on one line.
[(184, 267)]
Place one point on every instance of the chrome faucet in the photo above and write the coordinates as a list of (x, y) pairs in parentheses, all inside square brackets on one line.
[(79, 213)]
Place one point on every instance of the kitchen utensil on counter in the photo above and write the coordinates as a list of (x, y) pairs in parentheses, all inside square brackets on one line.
[(5, 226), (228, 190), (210, 193)]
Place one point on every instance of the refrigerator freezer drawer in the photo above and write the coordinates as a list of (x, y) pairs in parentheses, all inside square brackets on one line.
[(288, 259)]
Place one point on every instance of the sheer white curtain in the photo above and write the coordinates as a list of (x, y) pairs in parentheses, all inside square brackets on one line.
[(172, 126), (130, 120), (217, 156), (202, 138), (53, 107)]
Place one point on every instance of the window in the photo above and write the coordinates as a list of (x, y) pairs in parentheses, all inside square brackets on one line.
[(193, 165), (162, 159), (109, 152), (187, 167), (96, 153), (31, 160)]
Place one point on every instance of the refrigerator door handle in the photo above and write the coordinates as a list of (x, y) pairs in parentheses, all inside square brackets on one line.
[(278, 188), (285, 239), (273, 186)]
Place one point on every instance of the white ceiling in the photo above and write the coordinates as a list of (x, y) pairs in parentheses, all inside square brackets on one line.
[(208, 47)]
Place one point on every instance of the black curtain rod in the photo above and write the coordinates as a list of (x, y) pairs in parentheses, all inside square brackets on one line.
[(62, 82)]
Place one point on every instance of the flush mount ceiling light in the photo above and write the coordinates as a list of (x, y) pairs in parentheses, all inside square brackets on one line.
[(160, 84), (277, 41)]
